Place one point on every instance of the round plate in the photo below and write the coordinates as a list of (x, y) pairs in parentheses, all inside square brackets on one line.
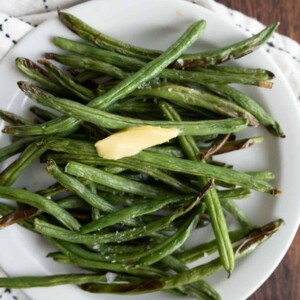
[(156, 24)]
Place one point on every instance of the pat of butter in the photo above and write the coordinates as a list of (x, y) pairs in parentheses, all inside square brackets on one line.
[(133, 140)]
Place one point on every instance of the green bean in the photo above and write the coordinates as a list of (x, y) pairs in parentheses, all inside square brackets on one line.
[(116, 170), (78, 188), (206, 290), (113, 181), (189, 111), (44, 204), (103, 188), (250, 105), (79, 251), (52, 190), (203, 289), (96, 213), (189, 290), (67, 82), (146, 272), (260, 74), (215, 147), (196, 77), (236, 145), (89, 64), (116, 249), (13, 119), (6, 209), (211, 198), (120, 199), (35, 72), (149, 110), (15, 147), (87, 135), (201, 169), (107, 254), (233, 194), (230, 52), (53, 280), (132, 176), (189, 60), (85, 76), (181, 95), (192, 275), (237, 213), (98, 252), (17, 216), (60, 124), (126, 86), (9, 175), (202, 250), (103, 41), (43, 114), (72, 202), (264, 175), (172, 243), (94, 132), (126, 288), (199, 77), (109, 57), (133, 212), (112, 121), (94, 265), (225, 184), (137, 107), (218, 163), (129, 234), (176, 151), (167, 150)]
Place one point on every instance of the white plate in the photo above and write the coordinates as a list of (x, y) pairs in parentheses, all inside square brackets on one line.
[(156, 24)]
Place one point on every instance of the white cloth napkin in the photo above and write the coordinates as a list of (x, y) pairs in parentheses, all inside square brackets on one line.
[(17, 17)]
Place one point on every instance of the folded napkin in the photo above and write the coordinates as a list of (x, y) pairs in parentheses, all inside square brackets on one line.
[(18, 17)]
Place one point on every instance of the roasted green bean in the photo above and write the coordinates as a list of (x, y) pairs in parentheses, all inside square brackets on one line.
[(42, 203)]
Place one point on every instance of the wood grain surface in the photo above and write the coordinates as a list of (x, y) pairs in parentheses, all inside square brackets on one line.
[(284, 283)]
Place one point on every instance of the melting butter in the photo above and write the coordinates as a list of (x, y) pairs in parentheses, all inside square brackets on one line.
[(133, 140)]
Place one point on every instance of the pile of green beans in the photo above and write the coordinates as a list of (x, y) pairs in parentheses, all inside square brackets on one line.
[(130, 218)]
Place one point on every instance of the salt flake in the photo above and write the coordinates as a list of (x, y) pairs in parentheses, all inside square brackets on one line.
[(110, 277)]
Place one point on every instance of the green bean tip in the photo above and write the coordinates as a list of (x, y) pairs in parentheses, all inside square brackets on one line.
[(275, 192), (265, 84), (23, 85), (44, 62), (48, 55)]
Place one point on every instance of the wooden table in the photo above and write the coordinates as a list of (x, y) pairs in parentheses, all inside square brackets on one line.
[(284, 284)]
